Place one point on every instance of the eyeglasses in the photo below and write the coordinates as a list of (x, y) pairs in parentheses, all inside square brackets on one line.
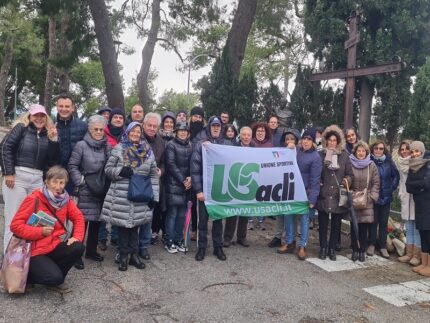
[(404, 149), (98, 129), (379, 148)]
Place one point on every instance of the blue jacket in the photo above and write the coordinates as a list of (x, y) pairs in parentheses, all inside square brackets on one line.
[(69, 133), (310, 165), (389, 177)]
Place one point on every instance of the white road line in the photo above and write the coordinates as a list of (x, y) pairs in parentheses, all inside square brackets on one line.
[(344, 263), (407, 293)]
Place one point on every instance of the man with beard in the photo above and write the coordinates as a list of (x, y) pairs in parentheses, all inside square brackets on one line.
[(213, 135), (196, 126), (115, 127)]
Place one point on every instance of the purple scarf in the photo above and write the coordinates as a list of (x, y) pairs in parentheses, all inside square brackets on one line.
[(57, 201), (360, 163)]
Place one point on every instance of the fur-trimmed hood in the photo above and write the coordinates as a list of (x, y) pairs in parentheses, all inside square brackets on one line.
[(333, 128)]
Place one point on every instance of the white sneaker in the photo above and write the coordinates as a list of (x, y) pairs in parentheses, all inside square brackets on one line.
[(181, 247), (171, 248)]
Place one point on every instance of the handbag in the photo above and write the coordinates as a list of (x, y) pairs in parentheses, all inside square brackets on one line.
[(140, 189), (359, 198), (343, 193), (16, 262), (97, 182)]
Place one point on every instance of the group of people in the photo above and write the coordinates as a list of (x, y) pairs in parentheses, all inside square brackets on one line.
[(57, 168)]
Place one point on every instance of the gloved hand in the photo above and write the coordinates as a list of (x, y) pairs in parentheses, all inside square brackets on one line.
[(151, 204), (126, 172)]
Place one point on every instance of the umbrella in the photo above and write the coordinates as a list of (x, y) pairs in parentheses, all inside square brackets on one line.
[(354, 220), (187, 225)]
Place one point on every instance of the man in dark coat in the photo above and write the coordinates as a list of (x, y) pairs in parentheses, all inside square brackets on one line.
[(151, 125), (213, 136), (70, 130)]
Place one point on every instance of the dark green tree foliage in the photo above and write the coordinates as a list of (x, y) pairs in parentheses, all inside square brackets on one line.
[(390, 28), (271, 101), (312, 106), (218, 90), (246, 93), (418, 122)]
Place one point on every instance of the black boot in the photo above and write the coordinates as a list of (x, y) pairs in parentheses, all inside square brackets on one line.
[(136, 262), (354, 256), (361, 256), (200, 255), (123, 262), (323, 253), (79, 264), (332, 254), (219, 253)]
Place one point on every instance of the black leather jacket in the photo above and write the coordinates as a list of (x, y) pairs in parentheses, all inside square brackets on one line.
[(24, 146)]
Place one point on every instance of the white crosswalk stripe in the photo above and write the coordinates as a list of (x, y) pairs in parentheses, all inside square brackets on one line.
[(343, 263), (401, 294)]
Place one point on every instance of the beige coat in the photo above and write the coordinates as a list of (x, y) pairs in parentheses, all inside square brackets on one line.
[(406, 199), (359, 183)]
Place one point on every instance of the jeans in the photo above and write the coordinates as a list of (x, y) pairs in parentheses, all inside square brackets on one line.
[(290, 229), (336, 221), (380, 226), (175, 221), (203, 229), (26, 181), (279, 227), (412, 234), (103, 232), (128, 240), (145, 234), (51, 269)]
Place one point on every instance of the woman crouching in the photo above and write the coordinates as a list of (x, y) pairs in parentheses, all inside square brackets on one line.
[(132, 155), (52, 255)]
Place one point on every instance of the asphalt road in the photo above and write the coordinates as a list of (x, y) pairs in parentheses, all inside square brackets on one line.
[(254, 285)]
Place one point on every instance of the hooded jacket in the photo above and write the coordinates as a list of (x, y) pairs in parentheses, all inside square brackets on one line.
[(389, 179), (328, 199)]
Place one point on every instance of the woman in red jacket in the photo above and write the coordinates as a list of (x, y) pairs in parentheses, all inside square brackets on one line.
[(51, 255)]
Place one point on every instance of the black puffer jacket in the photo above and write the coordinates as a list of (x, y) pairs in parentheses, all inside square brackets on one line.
[(69, 133), (178, 156), (23, 146), (418, 184), (197, 161)]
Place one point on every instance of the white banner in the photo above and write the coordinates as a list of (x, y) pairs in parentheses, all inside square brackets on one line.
[(252, 182)]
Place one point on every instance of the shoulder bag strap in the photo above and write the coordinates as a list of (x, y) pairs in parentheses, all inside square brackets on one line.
[(54, 213)]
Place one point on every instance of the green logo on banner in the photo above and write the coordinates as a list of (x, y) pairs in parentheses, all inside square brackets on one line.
[(241, 185)]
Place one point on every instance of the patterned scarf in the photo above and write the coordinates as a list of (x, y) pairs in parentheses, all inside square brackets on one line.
[(57, 201), (134, 153)]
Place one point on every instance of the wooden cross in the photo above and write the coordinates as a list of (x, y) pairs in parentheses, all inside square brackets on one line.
[(352, 71)]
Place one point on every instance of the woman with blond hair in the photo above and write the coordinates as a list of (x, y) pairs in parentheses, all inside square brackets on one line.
[(28, 150)]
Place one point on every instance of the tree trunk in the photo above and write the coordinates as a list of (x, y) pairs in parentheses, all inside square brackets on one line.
[(147, 53), (50, 68), (108, 55), (366, 96), (64, 79), (238, 35), (4, 73)]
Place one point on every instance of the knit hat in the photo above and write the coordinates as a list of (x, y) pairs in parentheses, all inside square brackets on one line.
[(181, 111), (197, 111), (418, 145), (116, 111), (104, 109), (310, 133)]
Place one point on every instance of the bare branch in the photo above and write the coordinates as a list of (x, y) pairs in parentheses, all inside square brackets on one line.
[(173, 46)]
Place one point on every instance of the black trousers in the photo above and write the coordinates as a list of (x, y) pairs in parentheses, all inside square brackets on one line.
[(363, 232), (194, 213), (203, 228), (128, 240), (51, 269), (425, 241), (230, 227), (158, 219), (336, 221), (93, 236), (379, 229)]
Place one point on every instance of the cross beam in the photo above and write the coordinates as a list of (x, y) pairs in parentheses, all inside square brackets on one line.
[(355, 72)]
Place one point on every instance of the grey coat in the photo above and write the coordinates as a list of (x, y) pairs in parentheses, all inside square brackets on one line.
[(88, 156), (117, 209), (359, 183)]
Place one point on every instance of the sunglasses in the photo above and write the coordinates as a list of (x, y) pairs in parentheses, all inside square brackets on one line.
[(379, 148)]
